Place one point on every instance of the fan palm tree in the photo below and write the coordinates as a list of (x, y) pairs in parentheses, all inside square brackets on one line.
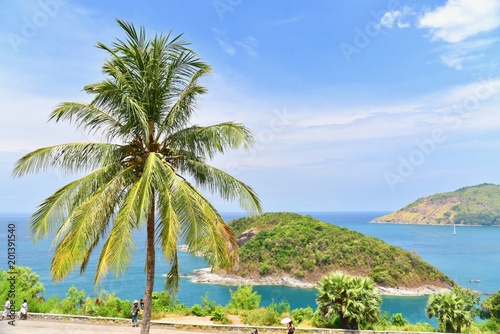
[(451, 311), (148, 171), (352, 299)]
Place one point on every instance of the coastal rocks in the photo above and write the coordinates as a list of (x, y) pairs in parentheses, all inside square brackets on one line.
[(205, 276), (422, 291)]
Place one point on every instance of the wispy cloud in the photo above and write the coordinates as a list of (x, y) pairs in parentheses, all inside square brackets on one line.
[(288, 20), (396, 18), (248, 44)]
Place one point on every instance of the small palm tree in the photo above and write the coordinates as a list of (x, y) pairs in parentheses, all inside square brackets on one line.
[(352, 299), (145, 173), (451, 311)]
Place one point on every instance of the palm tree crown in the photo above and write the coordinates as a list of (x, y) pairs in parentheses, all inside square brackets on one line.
[(352, 299), (147, 171)]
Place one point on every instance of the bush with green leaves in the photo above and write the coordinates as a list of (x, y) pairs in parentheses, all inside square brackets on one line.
[(491, 307), (209, 306), (301, 314), (25, 284), (318, 320), (164, 302), (198, 311), (264, 316), (397, 319), (219, 316), (73, 301), (244, 298)]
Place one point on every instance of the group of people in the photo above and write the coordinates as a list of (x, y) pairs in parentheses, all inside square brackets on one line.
[(23, 311)]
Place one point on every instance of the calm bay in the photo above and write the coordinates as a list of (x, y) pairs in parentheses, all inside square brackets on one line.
[(473, 253)]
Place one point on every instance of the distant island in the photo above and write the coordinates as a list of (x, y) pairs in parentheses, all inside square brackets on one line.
[(297, 250), (474, 205)]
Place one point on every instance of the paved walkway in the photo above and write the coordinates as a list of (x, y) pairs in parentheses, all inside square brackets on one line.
[(37, 326)]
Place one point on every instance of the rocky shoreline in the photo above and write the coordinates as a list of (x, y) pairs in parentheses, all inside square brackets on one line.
[(205, 276)]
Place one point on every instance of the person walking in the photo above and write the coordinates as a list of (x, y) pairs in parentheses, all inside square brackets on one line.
[(135, 313), (291, 327), (6, 312), (23, 312)]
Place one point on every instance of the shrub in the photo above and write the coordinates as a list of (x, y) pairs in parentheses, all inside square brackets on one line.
[(301, 314), (244, 298), (164, 302), (207, 304), (219, 316), (197, 310), (397, 319), (261, 317), (73, 301)]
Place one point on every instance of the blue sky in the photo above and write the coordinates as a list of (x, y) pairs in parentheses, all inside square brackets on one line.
[(355, 105)]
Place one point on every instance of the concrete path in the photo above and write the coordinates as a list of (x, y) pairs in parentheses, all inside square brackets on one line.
[(37, 326)]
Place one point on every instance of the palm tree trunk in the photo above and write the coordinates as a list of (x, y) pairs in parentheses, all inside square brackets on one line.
[(150, 269)]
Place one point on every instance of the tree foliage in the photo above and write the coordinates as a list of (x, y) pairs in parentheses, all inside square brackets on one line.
[(353, 299), (19, 283), (305, 248), (244, 298), (452, 311), (147, 173)]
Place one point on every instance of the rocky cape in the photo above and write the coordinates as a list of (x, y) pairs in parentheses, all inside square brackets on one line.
[(206, 276), (295, 250), (473, 206)]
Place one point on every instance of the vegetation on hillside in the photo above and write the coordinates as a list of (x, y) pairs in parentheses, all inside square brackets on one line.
[(474, 205), (289, 244)]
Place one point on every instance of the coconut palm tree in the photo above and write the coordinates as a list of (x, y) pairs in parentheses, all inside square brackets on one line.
[(352, 299), (451, 311), (146, 173)]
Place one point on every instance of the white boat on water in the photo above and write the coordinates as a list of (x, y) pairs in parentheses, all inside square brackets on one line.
[(475, 281)]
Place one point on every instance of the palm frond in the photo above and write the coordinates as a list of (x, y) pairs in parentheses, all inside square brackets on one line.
[(226, 186), (70, 158), (85, 116), (210, 140), (57, 207), (172, 277)]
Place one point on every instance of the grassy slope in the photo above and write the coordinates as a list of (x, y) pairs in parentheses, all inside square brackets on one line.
[(300, 246), (475, 205)]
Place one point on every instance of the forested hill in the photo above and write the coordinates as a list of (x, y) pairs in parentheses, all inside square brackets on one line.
[(298, 246), (475, 205)]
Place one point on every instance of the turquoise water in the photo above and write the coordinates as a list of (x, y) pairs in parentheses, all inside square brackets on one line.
[(473, 253)]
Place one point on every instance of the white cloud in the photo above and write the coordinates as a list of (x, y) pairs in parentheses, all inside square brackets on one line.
[(458, 20), (395, 17)]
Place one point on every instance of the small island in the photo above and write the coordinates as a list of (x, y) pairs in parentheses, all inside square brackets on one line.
[(474, 205), (297, 250)]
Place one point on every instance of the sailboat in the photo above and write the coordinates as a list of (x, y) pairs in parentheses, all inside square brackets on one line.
[(454, 230)]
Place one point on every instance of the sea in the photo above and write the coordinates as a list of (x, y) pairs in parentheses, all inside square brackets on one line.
[(470, 253)]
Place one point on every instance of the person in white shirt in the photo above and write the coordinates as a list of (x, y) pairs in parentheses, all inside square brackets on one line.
[(6, 311), (23, 312)]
